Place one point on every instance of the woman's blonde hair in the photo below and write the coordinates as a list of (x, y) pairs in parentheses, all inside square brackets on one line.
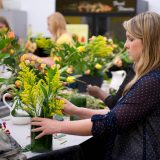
[(58, 24), (145, 26)]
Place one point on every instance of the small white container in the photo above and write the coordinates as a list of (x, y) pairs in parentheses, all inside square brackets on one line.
[(17, 120)]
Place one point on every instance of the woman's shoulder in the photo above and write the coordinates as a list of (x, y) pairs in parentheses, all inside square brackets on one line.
[(154, 73), (65, 38), (150, 79)]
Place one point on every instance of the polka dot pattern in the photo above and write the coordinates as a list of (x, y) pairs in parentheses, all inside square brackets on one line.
[(135, 119)]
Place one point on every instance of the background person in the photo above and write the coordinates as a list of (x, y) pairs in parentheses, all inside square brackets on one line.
[(59, 33), (4, 23)]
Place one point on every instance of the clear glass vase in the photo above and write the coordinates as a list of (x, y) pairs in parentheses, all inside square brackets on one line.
[(43, 144)]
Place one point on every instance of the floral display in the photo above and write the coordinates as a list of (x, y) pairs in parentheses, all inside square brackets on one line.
[(32, 78), (90, 58), (10, 50), (100, 52), (36, 92)]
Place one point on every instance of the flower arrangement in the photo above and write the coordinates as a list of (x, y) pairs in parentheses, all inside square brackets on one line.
[(10, 50), (72, 57), (100, 52), (37, 43), (90, 58), (37, 91)]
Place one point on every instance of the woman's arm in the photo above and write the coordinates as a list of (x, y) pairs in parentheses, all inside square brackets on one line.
[(49, 126), (45, 60), (48, 61), (84, 113), (139, 102), (81, 112)]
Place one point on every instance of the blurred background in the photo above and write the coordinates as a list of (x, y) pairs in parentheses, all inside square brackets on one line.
[(102, 17)]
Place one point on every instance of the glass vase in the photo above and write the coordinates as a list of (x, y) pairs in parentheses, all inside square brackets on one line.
[(43, 144)]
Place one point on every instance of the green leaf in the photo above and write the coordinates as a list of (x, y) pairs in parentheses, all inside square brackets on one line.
[(63, 69), (2, 79), (44, 91), (3, 43), (4, 55)]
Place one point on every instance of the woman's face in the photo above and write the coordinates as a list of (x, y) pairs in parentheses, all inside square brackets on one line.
[(134, 47), (49, 26)]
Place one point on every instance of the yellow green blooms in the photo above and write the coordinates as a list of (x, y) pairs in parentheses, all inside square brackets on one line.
[(39, 95), (98, 66)]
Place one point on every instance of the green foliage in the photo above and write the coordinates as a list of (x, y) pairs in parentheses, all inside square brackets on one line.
[(69, 56), (10, 50), (100, 46), (39, 96), (43, 42)]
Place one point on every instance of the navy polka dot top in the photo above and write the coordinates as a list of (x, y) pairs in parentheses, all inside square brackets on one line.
[(135, 120)]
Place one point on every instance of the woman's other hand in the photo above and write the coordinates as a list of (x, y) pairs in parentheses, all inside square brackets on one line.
[(97, 92)]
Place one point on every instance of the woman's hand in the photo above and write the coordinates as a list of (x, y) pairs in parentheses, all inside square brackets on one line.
[(45, 126), (69, 108), (97, 92)]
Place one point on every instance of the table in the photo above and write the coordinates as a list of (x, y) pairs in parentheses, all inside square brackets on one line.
[(21, 133)]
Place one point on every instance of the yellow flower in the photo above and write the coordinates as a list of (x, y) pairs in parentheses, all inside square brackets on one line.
[(70, 79), (58, 66), (18, 83), (31, 46), (39, 60), (32, 63), (11, 52), (110, 40), (56, 58), (105, 38), (55, 66), (23, 57), (43, 65), (80, 49), (33, 58), (98, 66)]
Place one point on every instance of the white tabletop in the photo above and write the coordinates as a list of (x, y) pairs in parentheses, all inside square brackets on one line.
[(21, 133)]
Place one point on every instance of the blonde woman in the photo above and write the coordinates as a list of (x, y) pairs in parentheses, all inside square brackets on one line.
[(131, 130), (57, 28)]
